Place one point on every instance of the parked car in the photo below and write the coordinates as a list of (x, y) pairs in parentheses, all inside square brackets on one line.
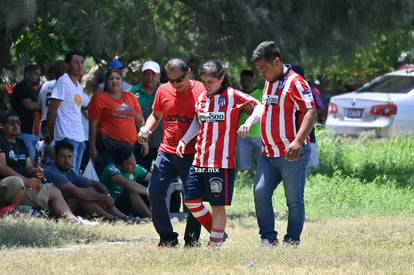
[(385, 104)]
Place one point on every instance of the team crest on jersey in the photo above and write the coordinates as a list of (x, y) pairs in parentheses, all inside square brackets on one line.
[(222, 101), (281, 84), (216, 185), (211, 117), (270, 99), (307, 94)]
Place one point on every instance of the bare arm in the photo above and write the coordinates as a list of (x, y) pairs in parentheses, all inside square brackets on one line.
[(31, 105), (153, 120), (86, 194), (51, 116), (6, 171), (101, 188), (132, 186), (139, 122), (191, 133), (256, 114), (151, 124), (294, 149), (93, 132)]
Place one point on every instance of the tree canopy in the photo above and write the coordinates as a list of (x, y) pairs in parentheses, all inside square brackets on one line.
[(316, 30)]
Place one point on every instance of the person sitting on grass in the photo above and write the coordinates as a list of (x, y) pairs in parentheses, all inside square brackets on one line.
[(20, 180), (81, 193), (122, 179)]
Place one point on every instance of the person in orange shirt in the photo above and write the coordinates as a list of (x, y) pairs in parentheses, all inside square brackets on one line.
[(114, 117)]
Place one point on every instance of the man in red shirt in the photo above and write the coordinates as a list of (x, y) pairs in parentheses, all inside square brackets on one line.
[(285, 143), (175, 104)]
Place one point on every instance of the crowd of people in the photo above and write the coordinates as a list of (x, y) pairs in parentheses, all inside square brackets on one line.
[(142, 138)]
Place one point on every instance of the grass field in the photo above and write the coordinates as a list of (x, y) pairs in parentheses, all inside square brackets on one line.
[(364, 245), (360, 220)]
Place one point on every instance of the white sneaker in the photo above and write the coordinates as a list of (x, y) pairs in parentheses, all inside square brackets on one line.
[(214, 244), (268, 243), (80, 220)]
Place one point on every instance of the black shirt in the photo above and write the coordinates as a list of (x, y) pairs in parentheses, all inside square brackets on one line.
[(15, 153), (20, 92)]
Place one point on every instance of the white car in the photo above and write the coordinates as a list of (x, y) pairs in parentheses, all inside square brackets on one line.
[(385, 104)]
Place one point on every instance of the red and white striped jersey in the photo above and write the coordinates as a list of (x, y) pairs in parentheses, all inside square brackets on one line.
[(218, 116), (282, 99)]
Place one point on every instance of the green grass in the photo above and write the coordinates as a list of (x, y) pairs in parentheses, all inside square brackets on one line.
[(359, 220)]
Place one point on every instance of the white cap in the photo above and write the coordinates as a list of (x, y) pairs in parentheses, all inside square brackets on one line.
[(151, 65)]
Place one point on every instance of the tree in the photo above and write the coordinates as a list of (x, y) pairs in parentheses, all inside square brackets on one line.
[(224, 29)]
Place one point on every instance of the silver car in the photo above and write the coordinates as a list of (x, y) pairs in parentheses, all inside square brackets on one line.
[(385, 104)]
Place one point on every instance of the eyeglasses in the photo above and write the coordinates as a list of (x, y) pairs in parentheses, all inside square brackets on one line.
[(14, 122), (178, 80)]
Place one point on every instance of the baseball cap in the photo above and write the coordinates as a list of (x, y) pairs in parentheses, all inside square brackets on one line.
[(4, 116), (151, 65), (115, 64)]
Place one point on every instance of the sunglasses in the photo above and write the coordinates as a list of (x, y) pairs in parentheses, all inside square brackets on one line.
[(177, 80), (14, 122)]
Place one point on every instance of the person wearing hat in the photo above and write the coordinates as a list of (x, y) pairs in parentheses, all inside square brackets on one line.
[(117, 64), (145, 93)]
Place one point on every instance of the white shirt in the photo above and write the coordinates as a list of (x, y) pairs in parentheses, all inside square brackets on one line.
[(68, 122), (44, 96)]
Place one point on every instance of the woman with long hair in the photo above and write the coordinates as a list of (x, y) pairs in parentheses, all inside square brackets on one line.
[(212, 174)]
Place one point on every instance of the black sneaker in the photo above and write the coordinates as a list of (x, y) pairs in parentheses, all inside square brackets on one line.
[(225, 237), (290, 241), (131, 220), (191, 244), (170, 244)]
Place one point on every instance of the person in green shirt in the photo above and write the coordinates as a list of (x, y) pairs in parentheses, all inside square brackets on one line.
[(145, 92), (121, 179), (250, 147)]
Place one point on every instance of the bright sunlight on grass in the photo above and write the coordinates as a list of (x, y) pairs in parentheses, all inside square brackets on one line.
[(359, 207)]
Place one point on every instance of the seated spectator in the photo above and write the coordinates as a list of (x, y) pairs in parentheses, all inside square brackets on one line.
[(21, 181), (80, 192), (44, 151), (121, 179), (11, 191)]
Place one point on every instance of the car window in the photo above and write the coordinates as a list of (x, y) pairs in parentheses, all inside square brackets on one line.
[(396, 84)]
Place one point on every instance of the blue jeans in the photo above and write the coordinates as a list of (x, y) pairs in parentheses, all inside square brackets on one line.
[(248, 148), (166, 168), (270, 172), (107, 156), (30, 140), (78, 148)]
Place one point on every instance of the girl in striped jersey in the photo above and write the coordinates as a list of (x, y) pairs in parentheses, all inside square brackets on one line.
[(215, 124)]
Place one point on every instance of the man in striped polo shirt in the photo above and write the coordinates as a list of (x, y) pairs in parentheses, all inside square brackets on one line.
[(285, 143)]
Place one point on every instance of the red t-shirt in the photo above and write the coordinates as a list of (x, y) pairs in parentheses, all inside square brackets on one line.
[(178, 112), (219, 118), (282, 98), (116, 117)]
